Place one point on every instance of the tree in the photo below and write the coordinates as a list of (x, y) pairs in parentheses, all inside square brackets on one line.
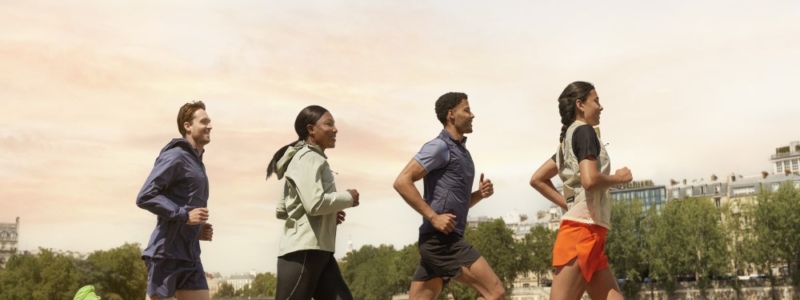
[(405, 263), (118, 271), (46, 276), (225, 291), (774, 232), (539, 245), (371, 272), (265, 284), (686, 239), (497, 245), (624, 245)]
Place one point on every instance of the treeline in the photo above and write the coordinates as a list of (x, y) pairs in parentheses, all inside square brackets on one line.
[(688, 239)]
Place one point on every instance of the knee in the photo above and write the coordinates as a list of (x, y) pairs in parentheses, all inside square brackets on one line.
[(498, 293)]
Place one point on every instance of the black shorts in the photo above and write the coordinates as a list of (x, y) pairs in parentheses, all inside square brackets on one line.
[(165, 276), (443, 256)]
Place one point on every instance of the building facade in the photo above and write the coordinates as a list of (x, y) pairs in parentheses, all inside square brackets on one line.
[(650, 194), (9, 240)]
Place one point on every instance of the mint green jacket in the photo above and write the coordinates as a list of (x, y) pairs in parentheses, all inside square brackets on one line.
[(310, 201)]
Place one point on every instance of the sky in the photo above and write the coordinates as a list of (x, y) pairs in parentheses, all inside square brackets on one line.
[(90, 90)]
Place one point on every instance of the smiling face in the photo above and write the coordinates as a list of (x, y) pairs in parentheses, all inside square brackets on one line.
[(323, 132), (199, 129), (461, 117), (589, 109)]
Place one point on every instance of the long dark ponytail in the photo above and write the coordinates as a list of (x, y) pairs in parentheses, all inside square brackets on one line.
[(575, 91), (308, 116)]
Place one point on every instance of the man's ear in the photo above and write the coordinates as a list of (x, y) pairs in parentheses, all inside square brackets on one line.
[(187, 126)]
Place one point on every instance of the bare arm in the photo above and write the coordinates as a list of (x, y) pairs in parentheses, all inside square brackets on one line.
[(593, 180), (542, 182), (404, 185)]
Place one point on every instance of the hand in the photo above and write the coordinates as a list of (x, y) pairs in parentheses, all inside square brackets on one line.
[(445, 223), (354, 193), (206, 232), (487, 188), (340, 217), (624, 175), (198, 216)]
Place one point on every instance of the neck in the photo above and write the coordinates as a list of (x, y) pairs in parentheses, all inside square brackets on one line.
[(312, 142), (458, 136), (581, 118), (197, 146)]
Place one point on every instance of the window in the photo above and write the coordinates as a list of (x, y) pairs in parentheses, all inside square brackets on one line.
[(716, 201), (718, 189), (797, 184), (794, 165), (676, 193), (744, 190), (776, 186), (702, 190), (689, 192), (779, 167)]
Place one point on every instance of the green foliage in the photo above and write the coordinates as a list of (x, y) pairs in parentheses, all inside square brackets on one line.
[(371, 272), (225, 291), (539, 245), (119, 271), (624, 245), (116, 274), (773, 232), (686, 239)]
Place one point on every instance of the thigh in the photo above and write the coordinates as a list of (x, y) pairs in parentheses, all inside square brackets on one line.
[(331, 285), (568, 282), (426, 290), (192, 295), (604, 286), (482, 278), (298, 273)]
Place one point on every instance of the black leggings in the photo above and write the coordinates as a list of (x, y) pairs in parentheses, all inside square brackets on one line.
[(310, 273)]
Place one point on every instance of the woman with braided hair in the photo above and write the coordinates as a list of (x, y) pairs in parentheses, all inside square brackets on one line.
[(582, 163)]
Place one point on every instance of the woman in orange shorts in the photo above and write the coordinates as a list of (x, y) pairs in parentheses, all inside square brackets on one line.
[(582, 163)]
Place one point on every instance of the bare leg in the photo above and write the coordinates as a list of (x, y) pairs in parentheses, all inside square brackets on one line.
[(568, 282), (482, 278), (425, 290), (604, 286), (192, 295)]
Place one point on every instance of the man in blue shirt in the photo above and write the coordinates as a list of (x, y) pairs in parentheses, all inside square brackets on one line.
[(177, 192), (447, 170)]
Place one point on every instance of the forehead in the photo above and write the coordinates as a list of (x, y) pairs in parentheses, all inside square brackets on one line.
[(200, 114), (592, 95), (464, 104), (325, 117)]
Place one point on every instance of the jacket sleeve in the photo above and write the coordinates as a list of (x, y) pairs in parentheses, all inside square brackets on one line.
[(280, 211), (307, 179), (152, 197)]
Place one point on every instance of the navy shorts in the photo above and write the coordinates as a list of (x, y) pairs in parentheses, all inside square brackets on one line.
[(443, 256), (165, 276)]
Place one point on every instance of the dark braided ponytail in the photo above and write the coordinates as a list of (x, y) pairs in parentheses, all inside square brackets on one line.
[(575, 91)]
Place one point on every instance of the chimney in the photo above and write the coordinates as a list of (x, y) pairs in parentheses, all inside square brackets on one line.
[(684, 182), (787, 171), (713, 177), (733, 177), (764, 174), (672, 182)]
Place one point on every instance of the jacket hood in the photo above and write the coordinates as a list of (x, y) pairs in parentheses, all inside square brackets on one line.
[(283, 164), (180, 143)]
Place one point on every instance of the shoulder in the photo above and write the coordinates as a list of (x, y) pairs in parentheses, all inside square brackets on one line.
[(435, 145), (307, 156), (585, 131)]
